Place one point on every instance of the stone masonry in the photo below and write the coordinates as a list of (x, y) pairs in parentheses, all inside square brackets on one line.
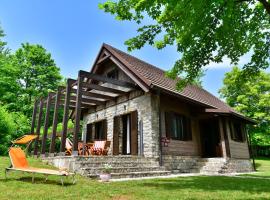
[(145, 105)]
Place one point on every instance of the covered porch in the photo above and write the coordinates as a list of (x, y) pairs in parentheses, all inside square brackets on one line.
[(89, 93)]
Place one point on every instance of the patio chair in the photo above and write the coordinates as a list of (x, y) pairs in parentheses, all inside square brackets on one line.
[(100, 147), (68, 147), (20, 163)]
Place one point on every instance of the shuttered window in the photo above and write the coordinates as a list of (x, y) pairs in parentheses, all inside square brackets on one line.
[(178, 127), (97, 131)]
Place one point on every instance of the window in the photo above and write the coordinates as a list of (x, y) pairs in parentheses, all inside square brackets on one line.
[(178, 127), (113, 74), (96, 131), (237, 131)]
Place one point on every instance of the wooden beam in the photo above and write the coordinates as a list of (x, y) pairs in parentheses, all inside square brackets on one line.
[(55, 120), (107, 80), (102, 60), (38, 126), (34, 117), (93, 94), (77, 115), (85, 100), (46, 123), (102, 88), (65, 117)]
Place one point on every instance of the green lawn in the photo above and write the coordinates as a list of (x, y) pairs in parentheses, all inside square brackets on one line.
[(19, 186)]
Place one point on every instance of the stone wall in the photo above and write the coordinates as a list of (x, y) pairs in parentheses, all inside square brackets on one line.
[(145, 105)]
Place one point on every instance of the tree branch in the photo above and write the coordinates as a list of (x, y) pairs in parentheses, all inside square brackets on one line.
[(266, 5)]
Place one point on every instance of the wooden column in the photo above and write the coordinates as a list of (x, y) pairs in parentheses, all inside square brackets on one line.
[(65, 117), (222, 138), (46, 124), (55, 120), (77, 115), (34, 117), (38, 126)]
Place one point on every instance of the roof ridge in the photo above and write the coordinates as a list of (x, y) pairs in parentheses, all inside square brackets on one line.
[(151, 65)]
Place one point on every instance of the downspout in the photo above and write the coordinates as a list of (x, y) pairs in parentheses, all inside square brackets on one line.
[(250, 149)]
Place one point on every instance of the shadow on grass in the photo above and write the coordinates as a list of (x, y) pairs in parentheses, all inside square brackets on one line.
[(213, 183), (38, 180)]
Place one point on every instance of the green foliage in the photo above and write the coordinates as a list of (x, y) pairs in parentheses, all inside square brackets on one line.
[(252, 98), (203, 31), (38, 74), (12, 126)]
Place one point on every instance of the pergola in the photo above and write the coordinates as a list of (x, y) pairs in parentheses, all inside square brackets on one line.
[(88, 91)]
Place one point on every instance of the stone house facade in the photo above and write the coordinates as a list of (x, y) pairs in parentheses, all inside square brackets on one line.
[(157, 121)]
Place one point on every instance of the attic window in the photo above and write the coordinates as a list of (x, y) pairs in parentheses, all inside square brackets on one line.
[(113, 74)]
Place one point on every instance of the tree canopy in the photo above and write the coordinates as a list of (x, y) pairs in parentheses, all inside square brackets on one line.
[(203, 31), (252, 98)]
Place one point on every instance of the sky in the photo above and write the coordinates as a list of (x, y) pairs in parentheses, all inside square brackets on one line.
[(73, 32)]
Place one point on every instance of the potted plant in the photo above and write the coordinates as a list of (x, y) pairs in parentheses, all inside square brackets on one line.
[(105, 176)]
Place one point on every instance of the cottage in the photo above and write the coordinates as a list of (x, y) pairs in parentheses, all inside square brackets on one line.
[(153, 128)]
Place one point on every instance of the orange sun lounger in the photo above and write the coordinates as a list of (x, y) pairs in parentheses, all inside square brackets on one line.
[(19, 163)]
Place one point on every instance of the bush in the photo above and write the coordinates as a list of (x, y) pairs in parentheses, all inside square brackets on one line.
[(12, 126)]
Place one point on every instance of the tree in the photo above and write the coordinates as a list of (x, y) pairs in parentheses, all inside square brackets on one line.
[(38, 74), (8, 76), (203, 31), (252, 98)]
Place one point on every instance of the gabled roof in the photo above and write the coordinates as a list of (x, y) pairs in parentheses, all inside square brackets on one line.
[(153, 77)]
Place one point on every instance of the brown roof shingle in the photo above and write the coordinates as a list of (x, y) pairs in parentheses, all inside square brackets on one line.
[(153, 76)]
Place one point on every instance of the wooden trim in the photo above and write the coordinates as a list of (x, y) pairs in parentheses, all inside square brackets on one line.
[(34, 117), (65, 116), (38, 126), (104, 59), (55, 120), (102, 88), (105, 79), (116, 130), (85, 100), (77, 115), (134, 133), (46, 123)]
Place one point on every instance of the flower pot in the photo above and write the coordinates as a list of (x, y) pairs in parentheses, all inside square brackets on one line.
[(105, 177)]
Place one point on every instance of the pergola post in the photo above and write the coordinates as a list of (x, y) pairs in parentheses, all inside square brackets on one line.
[(38, 126), (46, 124), (55, 120), (66, 115), (34, 117), (77, 114), (222, 138)]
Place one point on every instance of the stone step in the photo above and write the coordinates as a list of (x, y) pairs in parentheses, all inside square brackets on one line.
[(121, 170), (116, 164), (114, 158), (134, 174)]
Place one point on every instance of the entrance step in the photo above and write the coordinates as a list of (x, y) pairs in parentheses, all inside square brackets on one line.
[(99, 170), (138, 174)]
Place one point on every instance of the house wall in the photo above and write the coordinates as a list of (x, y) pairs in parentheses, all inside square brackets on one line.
[(237, 149), (146, 106), (177, 147)]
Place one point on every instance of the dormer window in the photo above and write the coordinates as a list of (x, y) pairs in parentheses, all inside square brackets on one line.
[(113, 74)]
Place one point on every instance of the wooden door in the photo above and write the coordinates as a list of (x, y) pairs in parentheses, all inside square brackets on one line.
[(134, 133), (116, 130)]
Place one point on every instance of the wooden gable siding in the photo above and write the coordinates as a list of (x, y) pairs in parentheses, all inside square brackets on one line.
[(177, 147), (237, 149)]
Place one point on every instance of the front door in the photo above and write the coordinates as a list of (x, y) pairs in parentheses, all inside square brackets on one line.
[(210, 138), (125, 134)]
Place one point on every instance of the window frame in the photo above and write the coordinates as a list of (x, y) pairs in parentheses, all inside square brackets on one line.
[(93, 132), (186, 127), (235, 135)]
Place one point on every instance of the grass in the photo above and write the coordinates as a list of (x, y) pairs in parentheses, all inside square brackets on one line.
[(19, 186), (262, 167)]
